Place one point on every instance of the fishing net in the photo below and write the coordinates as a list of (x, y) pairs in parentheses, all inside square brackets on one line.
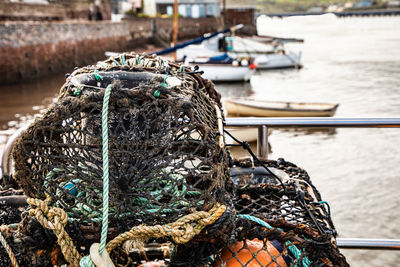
[(175, 196), (279, 223), (165, 149)]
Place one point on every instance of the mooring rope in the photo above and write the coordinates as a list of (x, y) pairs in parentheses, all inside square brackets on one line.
[(7, 247), (55, 219), (86, 261), (295, 251), (104, 126), (181, 231)]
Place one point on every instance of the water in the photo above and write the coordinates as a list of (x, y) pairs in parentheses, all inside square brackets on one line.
[(354, 62), (351, 61)]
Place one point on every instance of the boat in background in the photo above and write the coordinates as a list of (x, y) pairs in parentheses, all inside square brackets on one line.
[(226, 72), (223, 68), (260, 108), (266, 56), (278, 61)]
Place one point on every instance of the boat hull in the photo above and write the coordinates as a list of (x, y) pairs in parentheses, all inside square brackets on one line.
[(240, 109), (226, 72), (278, 61)]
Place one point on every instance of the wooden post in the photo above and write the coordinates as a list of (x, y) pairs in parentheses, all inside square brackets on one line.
[(224, 13), (175, 26)]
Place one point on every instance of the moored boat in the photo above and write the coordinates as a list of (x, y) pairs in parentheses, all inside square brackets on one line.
[(223, 68), (266, 56), (278, 61), (227, 72), (259, 108)]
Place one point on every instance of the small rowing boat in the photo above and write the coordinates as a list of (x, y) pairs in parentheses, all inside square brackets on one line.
[(260, 108)]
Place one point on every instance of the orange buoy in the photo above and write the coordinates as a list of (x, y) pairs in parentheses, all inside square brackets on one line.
[(254, 253)]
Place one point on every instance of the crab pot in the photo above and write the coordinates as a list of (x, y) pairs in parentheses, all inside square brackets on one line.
[(166, 159), (280, 224)]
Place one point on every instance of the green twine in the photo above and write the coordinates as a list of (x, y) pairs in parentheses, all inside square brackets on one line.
[(87, 261), (104, 125), (181, 68), (138, 58), (116, 62), (122, 57), (295, 251), (164, 82), (97, 76), (156, 93), (78, 90)]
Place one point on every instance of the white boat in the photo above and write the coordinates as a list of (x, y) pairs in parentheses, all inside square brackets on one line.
[(225, 72), (266, 56), (257, 108), (278, 61)]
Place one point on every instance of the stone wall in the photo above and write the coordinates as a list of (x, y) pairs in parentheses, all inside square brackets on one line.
[(24, 12), (62, 10), (33, 49)]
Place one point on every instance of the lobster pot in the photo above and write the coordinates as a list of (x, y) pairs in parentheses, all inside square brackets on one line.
[(166, 159), (279, 226)]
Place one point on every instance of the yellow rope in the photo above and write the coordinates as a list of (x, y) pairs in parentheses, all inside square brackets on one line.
[(55, 219), (181, 231), (7, 247)]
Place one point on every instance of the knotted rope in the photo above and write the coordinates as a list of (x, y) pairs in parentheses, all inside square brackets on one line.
[(55, 219), (181, 231)]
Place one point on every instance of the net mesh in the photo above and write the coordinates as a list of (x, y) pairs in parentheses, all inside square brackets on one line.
[(166, 160), (280, 226)]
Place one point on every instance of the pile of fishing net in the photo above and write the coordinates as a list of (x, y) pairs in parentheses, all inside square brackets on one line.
[(132, 156)]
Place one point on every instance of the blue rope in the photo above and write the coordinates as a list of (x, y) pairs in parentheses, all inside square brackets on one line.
[(295, 251), (327, 204)]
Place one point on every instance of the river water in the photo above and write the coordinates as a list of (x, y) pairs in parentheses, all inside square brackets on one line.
[(354, 62)]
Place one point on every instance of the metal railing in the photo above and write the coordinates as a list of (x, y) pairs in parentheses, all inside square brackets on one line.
[(262, 149), (311, 122), (314, 122)]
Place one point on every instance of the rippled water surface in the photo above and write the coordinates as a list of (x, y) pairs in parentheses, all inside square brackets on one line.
[(351, 61), (354, 62)]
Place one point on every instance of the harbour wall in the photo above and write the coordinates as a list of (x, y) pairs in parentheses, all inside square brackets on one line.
[(347, 13), (33, 49)]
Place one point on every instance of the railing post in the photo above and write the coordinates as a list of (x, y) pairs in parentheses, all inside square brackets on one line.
[(262, 142)]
